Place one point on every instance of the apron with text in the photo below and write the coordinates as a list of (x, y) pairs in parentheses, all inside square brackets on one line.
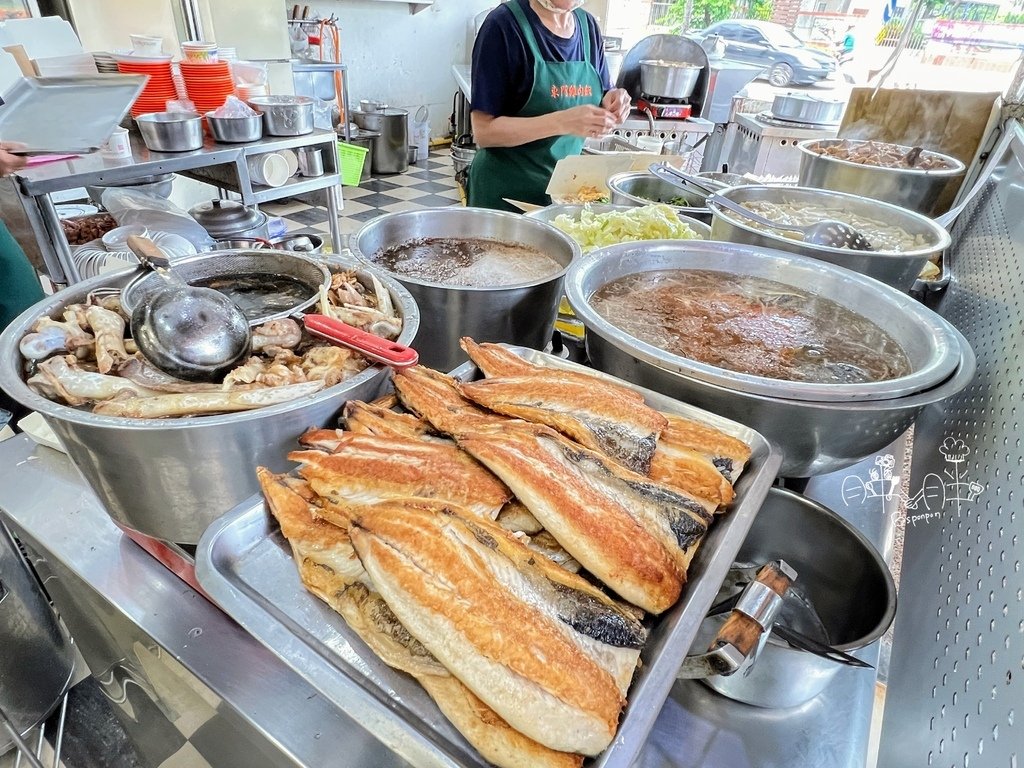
[(522, 173)]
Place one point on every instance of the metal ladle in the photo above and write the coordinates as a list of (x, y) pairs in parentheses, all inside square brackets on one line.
[(196, 334), (827, 232)]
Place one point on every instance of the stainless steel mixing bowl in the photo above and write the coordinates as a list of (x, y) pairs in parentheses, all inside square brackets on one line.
[(523, 315), (816, 437), (912, 188), (642, 188), (899, 270), (170, 478)]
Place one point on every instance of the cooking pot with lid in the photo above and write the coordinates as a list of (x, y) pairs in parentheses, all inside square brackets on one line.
[(230, 220)]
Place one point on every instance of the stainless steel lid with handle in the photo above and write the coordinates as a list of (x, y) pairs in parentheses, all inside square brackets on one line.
[(222, 218)]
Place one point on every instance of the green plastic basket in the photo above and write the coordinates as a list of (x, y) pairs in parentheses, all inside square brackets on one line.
[(350, 159)]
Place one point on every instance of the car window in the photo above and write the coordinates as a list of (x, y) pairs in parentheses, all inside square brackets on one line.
[(747, 35), (728, 31)]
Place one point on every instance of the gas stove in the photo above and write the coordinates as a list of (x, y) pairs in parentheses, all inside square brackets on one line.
[(663, 109)]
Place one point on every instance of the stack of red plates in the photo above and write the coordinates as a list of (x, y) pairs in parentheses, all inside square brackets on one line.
[(207, 85), (159, 89)]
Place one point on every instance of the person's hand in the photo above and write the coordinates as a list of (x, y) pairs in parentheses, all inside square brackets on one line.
[(587, 121), (617, 102), (9, 163)]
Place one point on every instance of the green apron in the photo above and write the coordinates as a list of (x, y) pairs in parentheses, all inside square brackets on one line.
[(523, 172), (19, 286)]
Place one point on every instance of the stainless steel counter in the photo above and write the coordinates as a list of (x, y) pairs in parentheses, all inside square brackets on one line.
[(35, 185), (135, 621)]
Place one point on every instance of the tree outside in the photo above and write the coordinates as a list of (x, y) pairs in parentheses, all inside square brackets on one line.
[(684, 15)]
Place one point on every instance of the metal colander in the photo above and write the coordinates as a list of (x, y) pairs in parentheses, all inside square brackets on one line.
[(224, 264)]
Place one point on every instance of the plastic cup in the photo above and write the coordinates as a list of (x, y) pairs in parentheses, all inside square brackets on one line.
[(199, 53), (147, 45)]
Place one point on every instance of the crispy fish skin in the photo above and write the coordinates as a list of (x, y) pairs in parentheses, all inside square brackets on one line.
[(692, 472), (594, 415), (598, 414), (728, 454), (371, 419), (436, 398), (365, 469), (594, 527), (369, 616), (535, 678)]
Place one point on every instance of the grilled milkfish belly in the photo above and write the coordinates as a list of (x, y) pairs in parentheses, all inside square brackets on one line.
[(373, 419), (330, 569), (436, 398), (454, 580), (366, 469), (636, 536), (726, 453), (596, 413)]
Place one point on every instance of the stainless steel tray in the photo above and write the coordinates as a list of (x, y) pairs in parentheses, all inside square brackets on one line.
[(245, 566)]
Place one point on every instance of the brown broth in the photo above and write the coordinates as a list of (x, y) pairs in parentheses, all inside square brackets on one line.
[(259, 295), (471, 262), (751, 325)]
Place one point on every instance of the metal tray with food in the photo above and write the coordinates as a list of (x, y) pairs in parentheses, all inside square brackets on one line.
[(245, 565)]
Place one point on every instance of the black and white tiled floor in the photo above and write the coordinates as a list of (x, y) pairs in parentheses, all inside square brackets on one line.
[(428, 184)]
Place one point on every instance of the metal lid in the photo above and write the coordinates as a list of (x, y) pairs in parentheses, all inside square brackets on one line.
[(226, 216)]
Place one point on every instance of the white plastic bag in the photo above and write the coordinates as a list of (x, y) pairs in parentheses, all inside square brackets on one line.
[(129, 206)]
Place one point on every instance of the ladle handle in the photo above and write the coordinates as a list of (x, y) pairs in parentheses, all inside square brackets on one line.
[(681, 179), (148, 253), (725, 202), (380, 350)]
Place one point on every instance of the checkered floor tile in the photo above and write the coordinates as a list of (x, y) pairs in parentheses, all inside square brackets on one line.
[(428, 184)]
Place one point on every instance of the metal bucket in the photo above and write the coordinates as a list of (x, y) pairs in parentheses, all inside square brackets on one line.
[(842, 577), (523, 315), (36, 662)]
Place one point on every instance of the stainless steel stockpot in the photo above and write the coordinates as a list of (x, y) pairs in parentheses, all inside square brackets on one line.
[(899, 270), (523, 315), (170, 478), (816, 437)]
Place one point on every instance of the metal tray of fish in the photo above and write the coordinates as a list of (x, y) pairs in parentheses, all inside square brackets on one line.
[(245, 565)]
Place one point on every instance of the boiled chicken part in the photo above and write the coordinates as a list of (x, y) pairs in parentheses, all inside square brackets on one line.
[(139, 370), (60, 379), (283, 333), (200, 403), (49, 337), (108, 328)]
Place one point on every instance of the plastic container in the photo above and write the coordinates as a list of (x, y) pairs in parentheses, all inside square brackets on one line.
[(419, 133), (350, 162), (270, 170)]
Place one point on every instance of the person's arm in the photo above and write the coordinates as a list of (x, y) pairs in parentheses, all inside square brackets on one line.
[(9, 163), (585, 121)]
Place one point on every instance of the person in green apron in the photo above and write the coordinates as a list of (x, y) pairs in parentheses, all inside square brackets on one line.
[(540, 87)]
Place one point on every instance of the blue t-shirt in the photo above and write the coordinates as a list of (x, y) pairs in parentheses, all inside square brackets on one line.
[(503, 67)]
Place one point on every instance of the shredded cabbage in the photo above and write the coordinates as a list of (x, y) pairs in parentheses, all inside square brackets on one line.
[(650, 222)]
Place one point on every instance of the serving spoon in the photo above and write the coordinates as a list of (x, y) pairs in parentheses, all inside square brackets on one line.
[(192, 333), (827, 232), (685, 181)]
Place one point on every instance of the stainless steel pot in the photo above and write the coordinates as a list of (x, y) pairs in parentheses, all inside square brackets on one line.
[(669, 79), (642, 188), (899, 270), (914, 189), (816, 437), (231, 220), (391, 145), (37, 663), (842, 577), (808, 108), (235, 130), (549, 213), (523, 315), (285, 115), (170, 478)]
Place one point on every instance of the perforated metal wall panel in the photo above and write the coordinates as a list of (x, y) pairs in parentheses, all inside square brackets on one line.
[(956, 682)]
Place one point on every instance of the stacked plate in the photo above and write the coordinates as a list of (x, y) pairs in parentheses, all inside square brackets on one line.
[(94, 259), (207, 85), (159, 89), (105, 63)]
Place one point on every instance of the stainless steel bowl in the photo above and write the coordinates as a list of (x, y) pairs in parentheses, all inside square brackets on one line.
[(816, 437), (917, 190), (808, 108), (523, 315), (235, 130), (549, 213), (299, 243), (171, 131), (642, 188), (899, 270), (669, 79), (170, 478), (285, 115)]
